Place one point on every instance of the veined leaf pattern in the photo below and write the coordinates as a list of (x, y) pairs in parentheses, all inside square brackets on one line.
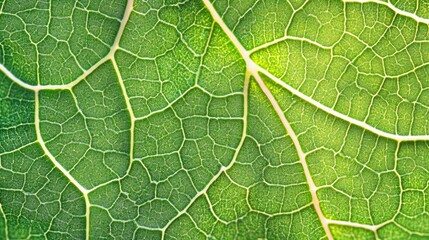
[(214, 119)]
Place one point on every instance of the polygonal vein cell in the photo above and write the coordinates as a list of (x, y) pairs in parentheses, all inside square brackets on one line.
[(186, 50), (183, 147), (361, 177), (263, 195), (87, 129), (36, 199), (374, 71), (53, 42)]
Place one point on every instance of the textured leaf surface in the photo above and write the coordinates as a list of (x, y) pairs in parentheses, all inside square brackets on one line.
[(216, 119)]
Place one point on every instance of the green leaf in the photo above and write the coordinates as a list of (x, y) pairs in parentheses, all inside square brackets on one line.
[(214, 119)]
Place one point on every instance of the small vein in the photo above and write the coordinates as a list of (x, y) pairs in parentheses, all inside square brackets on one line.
[(47, 152), (256, 68), (223, 169), (110, 55), (393, 8), (340, 115), (301, 155)]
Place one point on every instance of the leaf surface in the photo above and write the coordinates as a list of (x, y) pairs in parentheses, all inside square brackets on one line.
[(214, 119)]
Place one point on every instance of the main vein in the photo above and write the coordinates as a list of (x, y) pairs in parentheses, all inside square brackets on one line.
[(253, 69)]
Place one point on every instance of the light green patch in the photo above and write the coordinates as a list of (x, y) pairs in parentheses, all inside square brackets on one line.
[(319, 21), (345, 232)]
